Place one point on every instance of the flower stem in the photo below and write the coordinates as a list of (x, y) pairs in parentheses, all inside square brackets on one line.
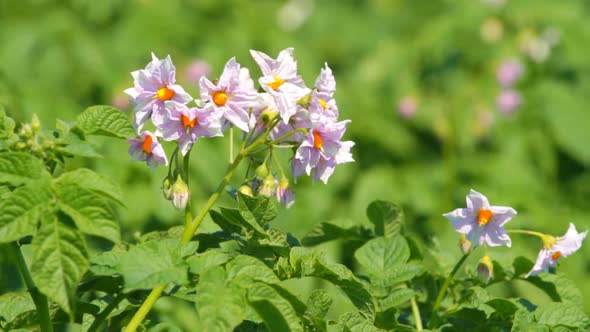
[(39, 299), (443, 289), (190, 228), (105, 312), (523, 231), (416, 313)]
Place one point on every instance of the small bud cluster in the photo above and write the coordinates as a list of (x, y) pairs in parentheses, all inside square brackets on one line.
[(483, 224), (284, 111)]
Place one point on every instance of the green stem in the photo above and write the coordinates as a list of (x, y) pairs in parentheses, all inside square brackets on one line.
[(189, 231), (522, 231), (39, 299), (287, 135), (443, 289), (105, 313), (416, 313), (146, 306)]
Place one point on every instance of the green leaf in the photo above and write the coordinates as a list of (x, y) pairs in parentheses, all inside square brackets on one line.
[(386, 216), (6, 124), (89, 210), (73, 142), (226, 225), (521, 265), (259, 210), (243, 270), (235, 217), (152, 264), (17, 310), (319, 303), (17, 168), (564, 314), (60, 259), (92, 181), (20, 210), (381, 255), (396, 298), (325, 232), (105, 121), (220, 306), (277, 313), (204, 261), (524, 321)]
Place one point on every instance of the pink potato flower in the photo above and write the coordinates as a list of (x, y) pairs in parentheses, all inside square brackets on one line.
[(147, 148), (280, 79), (233, 94), (555, 248), (187, 124), (321, 149), (480, 222), (153, 86)]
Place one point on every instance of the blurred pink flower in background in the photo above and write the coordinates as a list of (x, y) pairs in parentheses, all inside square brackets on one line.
[(508, 101), (408, 106), (120, 101), (196, 69), (509, 72)]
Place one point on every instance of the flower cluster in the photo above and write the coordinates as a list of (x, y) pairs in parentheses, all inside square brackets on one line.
[(508, 74), (483, 224), (284, 110)]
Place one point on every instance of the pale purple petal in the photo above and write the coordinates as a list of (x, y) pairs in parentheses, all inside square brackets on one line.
[(502, 214), (476, 201), (496, 236), (543, 262), (570, 242), (462, 220)]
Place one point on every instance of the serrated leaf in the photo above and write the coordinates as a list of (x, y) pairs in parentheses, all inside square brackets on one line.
[(381, 255), (325, 232), (524, 322), (396, 298), (17, 168), (89, 210), (106, 121), (319, 303), (152, 264), (21, 209), (60, 259), (225, 224), (204, 261), (386, 216), (277, 313), (6, 124), (259, 210), (220, 306), (92, 181), (235, 217), (243, 270), (107, 263), (565, 314)]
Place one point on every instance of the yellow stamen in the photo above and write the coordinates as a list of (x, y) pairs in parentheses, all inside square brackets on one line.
[(556, 255), (276, 84), (323, 103), (188, 123), (165, 93), (317, 140), (484, 216), (220, 98), (147, 144)]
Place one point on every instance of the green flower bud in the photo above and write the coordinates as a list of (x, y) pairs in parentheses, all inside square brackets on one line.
[(268, 186), (246, 190), (262, 171), (465, 244), (485, 269), (35, 124), (268, 116), (180, 193), (26, 131), (167, 188)]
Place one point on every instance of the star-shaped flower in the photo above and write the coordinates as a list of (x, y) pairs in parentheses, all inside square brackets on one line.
[(147, 148), (481, 222), (555, 248)]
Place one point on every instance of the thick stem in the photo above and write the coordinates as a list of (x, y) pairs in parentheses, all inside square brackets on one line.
[(416, 314), (146, 306), (105, 313), (39, 299), (443, 289)]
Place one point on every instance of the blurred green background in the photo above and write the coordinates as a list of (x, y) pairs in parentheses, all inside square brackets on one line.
[(418, 79)]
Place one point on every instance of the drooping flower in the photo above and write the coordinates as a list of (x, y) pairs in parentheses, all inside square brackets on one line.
[(187, 124), (284, 193), (180, 193), (321, 149), (233, 94), (280, 79), (508, 101), (480, 222), (407, 106), (147, 148), (509, 72), (153, 86), (555, 248)]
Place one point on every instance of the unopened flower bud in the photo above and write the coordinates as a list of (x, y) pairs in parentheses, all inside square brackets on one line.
[(246, 190), (304, 101), (26, 131), (35, 123), (268, 186), (262, 171), (167, 188), (268, 115), (20, 145), (180, 193), (485, 269), (465, 244)]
